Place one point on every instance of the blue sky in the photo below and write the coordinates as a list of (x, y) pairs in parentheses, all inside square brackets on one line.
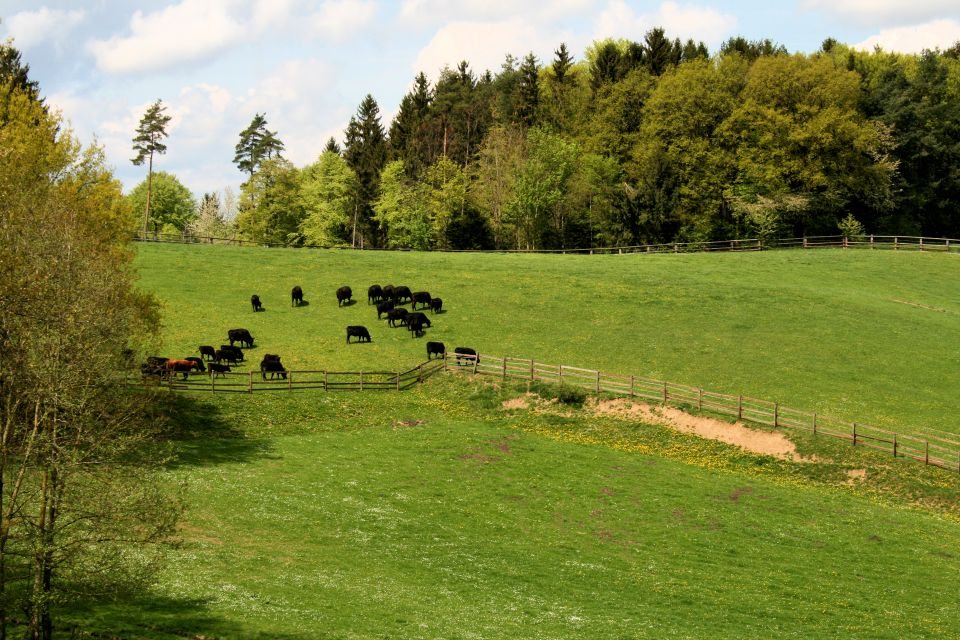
[(308, 63)]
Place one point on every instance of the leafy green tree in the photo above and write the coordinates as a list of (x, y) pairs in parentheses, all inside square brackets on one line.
[(537, 209), (149, 141), (210, 220), (494, 177), (328, 190), (444, 190), (271, 210), (366, 154), (257, 143), (172, 206), (80, 499), (401, 210)]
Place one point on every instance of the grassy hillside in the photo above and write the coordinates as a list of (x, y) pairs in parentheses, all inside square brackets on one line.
[(438, 513), (861, 335)]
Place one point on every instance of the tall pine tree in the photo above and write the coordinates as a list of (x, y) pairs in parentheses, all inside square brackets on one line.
[(365, 150), (148, 141)]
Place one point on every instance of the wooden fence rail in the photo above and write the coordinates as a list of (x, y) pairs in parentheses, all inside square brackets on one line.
[(914, 243), (937, 450)]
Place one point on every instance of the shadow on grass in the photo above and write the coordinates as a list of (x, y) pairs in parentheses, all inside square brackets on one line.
[(161, 618), (201, 435), (303, 303)]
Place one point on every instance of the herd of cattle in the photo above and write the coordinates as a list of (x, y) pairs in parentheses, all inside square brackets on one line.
[(388, 301)]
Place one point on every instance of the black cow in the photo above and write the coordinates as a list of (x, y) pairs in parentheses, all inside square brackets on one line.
[(387, 292), (397, 314), (240, 335), (226, 355), (436, 304), (435, 348), (154, 366), (416, 321), (208, 352), (360, 333), (466, 354), (401, 293), (217, 368), (343, 295), (374, 294), (420, 297), (296, 296), (255, 303), (384, 307), (271, 364), (236, 351), (199, 362)]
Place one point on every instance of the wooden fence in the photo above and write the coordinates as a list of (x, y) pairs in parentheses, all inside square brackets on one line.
[(254, 381), (906, 243), (941, 450)]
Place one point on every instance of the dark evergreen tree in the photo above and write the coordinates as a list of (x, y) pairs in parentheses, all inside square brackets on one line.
[(562, 62), (459, 114), (14, 75), (606, 66), (365, 151), (660, 51), (693, 50), (528, 91), (411, 138), (332, 145), (752, 49), (257, 143)]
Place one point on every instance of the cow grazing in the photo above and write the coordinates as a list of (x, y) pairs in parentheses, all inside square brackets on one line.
[(255, 303), (217, 368), (296, 296), (420, 297), (401, 293), (360, 333), (374, 294), (435, 348), (387, 292), (154, 366), (395, 315), (227, 355), (208, 352), (199, 362), (240, 335), (436, 304), (182, 366), (466, 355), (344, 294), (416, 322), (384, 307), (271, 364), (236, 351)]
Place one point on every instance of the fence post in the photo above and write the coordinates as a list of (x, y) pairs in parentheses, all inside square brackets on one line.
[(420, 373), (894, 445), (213, 383), (325, 386), (398, 377), (361, 381), (504, 367), (664, 392), (598, 382), (739, 407), (250, 381), (814, 423), (926, 454), (854, 434), (476, 359), (776, 415), (561, 374), (896, 243), (531, 370), (844, 242), (700, 399), (290, 381), (632, 392), (804, 242), (871, 241)]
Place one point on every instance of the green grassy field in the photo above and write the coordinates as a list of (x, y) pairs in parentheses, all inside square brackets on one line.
[(437, 513), (867, 336)]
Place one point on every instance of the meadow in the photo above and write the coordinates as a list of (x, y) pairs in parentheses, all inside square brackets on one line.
[(439, 513)]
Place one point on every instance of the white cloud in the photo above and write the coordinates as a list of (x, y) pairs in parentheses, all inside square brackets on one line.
[(434, 12), (338, 19), (916, 38), (179, 33), (483, 44), (886, 12), (31, 28), (619, 20)]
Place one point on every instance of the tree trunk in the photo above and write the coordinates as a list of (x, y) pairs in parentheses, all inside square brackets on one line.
[(146, 212)]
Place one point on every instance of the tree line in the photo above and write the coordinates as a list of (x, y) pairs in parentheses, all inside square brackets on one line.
[(637, 142)]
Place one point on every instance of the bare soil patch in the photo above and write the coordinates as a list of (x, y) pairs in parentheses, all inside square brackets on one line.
[(856, 476), (763, 442)]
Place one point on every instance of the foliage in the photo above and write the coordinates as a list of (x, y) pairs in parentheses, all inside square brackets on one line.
[(257, 144), (211, 220), (80, 503), (365, 151), (401, 211), (172, 206), (271, 209), (328, 189), (851, 228)]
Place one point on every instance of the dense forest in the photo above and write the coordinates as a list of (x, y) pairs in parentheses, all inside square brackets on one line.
[(637, 142)]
